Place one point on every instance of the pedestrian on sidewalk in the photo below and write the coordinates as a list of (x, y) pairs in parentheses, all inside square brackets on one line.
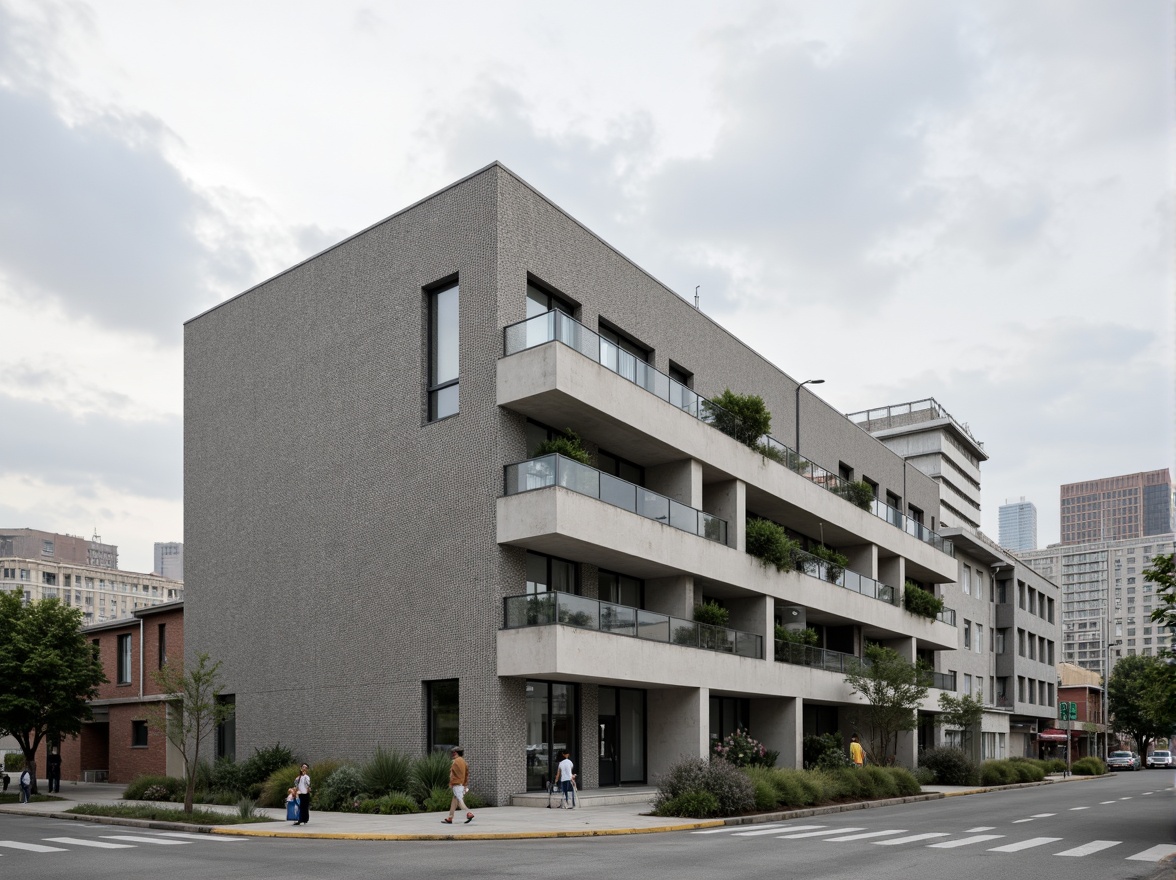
[(53, 771), (856, 753), (459, 783), (26, 785), (302, 784), (567, 781)]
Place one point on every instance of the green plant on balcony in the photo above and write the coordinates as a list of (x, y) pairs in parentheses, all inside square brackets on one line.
[(711, 613), (568, 444), (835, 562), (919, 601), (742, 416), (857, 492), (768, 542), (574, 618), (796, 636)]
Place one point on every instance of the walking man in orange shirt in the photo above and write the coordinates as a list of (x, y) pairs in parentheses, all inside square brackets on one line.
[(459, 782)]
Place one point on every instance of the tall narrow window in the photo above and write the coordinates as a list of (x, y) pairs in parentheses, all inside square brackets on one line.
[(124, 659), (162, 645), (444, 716), (443, 353)]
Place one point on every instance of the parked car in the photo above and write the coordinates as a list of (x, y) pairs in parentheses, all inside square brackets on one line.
[(1159, 758), (1123, 761)]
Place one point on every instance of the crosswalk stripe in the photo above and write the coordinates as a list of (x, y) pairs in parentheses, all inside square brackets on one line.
[(734, 829), (1088, 848), (1125, 798), (161, 841), (1078, 808), (864, 836), (1154, 854), (1100, 803), (1025, 844), (910, 839), (78, 841), (818, 833), (776, 829), (30, 847), (214, 838), (980, 828), (1042, 815), (965, 841)]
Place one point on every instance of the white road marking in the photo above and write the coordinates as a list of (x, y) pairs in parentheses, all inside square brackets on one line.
[(31, 847), (980, 828), (818, 833), (1025, 844), (1125, 798), (162, 841), (776, 829), (78, 841), (1154, 854), (910, 839), (864, 836), (1079, 808), (215, 838), (965, 841), (733, 828), (1100, 803), (1042, 815), (1088, 848)]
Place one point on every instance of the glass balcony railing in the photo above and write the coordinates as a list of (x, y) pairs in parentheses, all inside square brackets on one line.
[(557, 326), (947, 615), (546, 609), (945, 681), (818, 568), (817, 658), (556, 470)]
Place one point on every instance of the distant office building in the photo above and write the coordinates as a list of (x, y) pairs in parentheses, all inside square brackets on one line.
[(1018, 525), (928, 437), (1118, 508), (102, 594), (52, 547), (169, 560), (1106, 600)]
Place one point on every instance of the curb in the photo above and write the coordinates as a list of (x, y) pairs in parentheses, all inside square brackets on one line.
[(489, 835)]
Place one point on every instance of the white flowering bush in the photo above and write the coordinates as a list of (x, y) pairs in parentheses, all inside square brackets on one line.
[(740, 749)]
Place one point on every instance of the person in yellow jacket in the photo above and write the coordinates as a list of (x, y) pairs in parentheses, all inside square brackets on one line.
[(459, 782), (856, 753)]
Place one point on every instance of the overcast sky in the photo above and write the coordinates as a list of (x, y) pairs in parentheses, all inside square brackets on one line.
[(966, 200)]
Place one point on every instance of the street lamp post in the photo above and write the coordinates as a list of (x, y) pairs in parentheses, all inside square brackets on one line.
[(798, 387), (1105, 700)]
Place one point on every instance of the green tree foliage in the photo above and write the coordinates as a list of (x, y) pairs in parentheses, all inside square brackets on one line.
[(770, 543), (963, 713), (1141, 699), (916, 600), (49, 671), (893, 689), (742, 416), (1162, 573), (568, 444), (194, 713)]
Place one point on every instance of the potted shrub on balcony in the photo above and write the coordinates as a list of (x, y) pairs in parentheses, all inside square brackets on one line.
[(742, 416), (712, 614), (919, 601), (768, 542), (858, 492), (792, 643), (568, 444), (835, 562)]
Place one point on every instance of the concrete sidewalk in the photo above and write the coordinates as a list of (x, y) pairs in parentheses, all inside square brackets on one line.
[(597, 815)]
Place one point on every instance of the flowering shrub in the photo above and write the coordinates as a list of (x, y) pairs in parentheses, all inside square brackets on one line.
[(732, 792), (740, 749)]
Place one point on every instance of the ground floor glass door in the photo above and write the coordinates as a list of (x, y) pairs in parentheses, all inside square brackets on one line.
[(553, 723), (621, 748)]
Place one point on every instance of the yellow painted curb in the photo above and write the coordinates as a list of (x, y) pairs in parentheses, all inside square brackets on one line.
[(496, 835)]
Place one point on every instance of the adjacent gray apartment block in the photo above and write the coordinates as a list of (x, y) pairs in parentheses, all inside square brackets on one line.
[(371, 576)]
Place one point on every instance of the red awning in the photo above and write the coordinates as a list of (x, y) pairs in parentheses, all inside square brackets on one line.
[(1053, 734)]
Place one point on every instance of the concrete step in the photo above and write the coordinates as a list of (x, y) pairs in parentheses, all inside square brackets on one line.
[(611, 796)]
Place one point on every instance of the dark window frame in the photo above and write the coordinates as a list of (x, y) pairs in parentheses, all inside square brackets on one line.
[(139, 730), (432, 743), (434, 386), (125, 659)]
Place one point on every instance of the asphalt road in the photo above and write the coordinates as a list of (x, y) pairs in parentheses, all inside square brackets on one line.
[(1110, 829)]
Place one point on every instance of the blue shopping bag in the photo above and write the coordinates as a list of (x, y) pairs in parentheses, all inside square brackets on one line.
[(292, 810)]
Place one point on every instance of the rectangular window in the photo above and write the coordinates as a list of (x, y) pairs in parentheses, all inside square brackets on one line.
[(162, 645), (979, 639), (124, 659), (547, 573), (138, 734), (967, 634), (621, 589), (443, 353), (443, 715), (967, 580)]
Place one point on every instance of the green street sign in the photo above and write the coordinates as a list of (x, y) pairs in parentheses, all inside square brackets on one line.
[(1067, 711)]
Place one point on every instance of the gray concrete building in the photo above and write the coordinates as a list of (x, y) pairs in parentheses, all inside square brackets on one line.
[(54, 547), (169, 559), (377, 558), (101, 593), (1018, 525)]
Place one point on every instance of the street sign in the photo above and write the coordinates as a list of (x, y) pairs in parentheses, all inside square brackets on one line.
[(1068, 711)]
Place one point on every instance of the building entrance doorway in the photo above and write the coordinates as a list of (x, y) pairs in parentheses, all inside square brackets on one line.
[(553, 720), (622, 736)]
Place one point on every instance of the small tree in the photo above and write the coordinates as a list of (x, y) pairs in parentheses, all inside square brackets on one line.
[(193, 715), (1162, 573), (1140, 699), (49, 672), (963, 713), (742, 416), (893, 689)]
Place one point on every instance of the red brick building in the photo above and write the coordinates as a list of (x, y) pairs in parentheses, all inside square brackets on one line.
[(118, 744)]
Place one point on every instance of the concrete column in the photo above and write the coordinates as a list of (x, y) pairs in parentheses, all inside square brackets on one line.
[(777, 722), (678, 725), (892, 571), (671, 595), (588, 767), (863, 558), (728, 500), (680, 480), (753, 614), (905, 647), (907, 754)]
